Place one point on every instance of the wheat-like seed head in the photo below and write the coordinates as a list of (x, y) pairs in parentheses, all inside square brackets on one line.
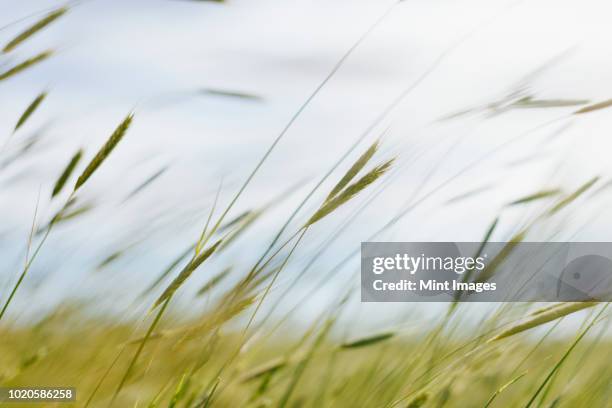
[(350, 192), (26, 64), (61, 181), (214, 281), (536, 196), (30, 110), (367, 341), (104, 152), (354, 170), (570, 198), (186, 273), (544, 317), (36, 27), (418, 401), (594, 107)]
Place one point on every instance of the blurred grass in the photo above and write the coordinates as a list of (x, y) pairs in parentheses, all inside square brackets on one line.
[(67, 348), (214, 357)]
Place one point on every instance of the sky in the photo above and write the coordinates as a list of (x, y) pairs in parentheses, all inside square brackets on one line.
[(157, 58)]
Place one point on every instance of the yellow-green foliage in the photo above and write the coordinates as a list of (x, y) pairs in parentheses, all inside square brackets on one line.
[(68, 349)]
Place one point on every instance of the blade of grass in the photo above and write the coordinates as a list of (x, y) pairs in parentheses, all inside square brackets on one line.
[(298, 113), (503, 388), (138, 352), (559, 364), (303, 364), (22, 276)]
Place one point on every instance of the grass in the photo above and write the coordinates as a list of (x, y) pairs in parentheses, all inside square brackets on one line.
[(26, 64), (67, 348), (223, 354), (33, 29)]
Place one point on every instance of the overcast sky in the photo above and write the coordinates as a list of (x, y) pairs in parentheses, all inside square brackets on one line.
[(157, 56)]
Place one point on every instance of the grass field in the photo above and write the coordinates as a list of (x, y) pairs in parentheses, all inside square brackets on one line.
[(230, 351), (406, 368)]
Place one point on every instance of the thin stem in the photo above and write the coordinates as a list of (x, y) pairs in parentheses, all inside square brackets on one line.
[(298, 113), (29, 262), (152, 327)]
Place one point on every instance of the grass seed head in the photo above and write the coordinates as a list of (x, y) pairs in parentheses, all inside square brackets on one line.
[(570, 198), (63, 178), (544, 317), (367, 341), (30, 110), (22, 66), (354, 170), (536, 196), (105, 151), (418, 401), (350, 192), (594, 107), (36, 27), (214, 281), (186, 273)]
